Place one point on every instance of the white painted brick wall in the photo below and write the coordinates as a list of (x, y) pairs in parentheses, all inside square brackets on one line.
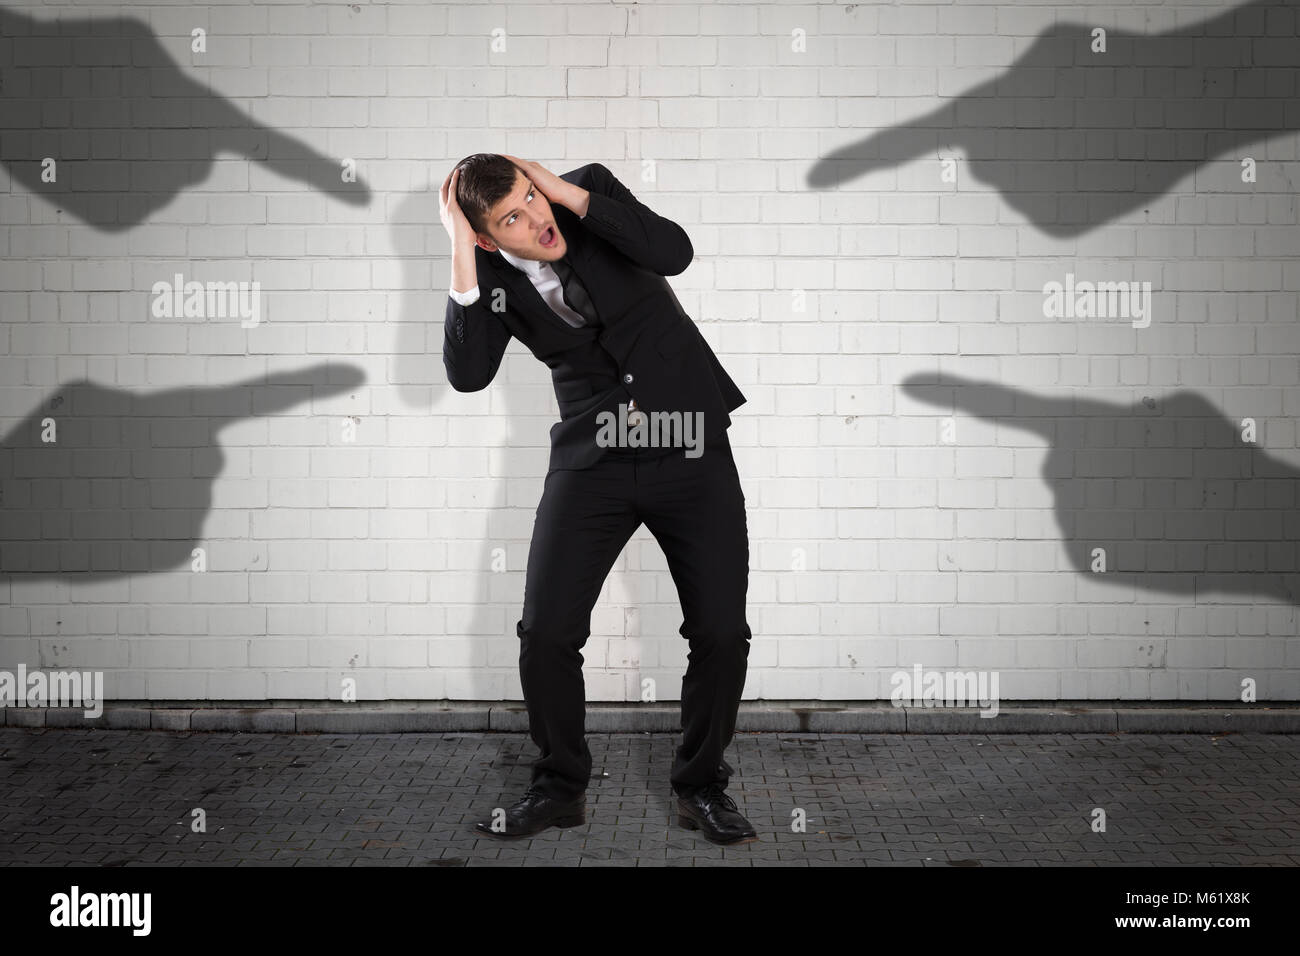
[(397, 559)]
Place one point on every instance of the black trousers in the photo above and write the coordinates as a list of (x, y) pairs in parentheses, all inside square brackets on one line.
[(696, 510)]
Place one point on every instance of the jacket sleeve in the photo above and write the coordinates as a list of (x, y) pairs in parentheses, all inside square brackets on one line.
[(473, 341), (633, 228)]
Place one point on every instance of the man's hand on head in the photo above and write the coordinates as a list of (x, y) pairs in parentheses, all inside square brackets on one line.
[(453, 217), (555, 189)]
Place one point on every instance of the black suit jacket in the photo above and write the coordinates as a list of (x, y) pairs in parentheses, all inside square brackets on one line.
[(645, 347)]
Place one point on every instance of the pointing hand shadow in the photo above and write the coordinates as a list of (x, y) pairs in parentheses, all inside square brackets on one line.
[(1074, 139), (127, 127), (127, 485), (1179, 502)]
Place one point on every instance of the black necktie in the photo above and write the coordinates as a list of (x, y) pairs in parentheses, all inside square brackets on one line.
[(574, 292)]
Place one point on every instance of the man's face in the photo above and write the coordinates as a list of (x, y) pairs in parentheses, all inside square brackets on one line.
[(519, 223)]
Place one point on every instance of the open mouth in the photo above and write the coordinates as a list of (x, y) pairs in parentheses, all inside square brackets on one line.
[(547, 238)]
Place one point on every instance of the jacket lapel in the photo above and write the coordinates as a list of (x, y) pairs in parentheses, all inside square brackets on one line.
[(521, 285), (579, 254)]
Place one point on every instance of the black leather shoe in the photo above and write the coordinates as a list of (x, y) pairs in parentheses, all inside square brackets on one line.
[(534, 813), (713, 812)]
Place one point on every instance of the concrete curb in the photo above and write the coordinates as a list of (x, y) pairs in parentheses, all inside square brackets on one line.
[(866, 717)]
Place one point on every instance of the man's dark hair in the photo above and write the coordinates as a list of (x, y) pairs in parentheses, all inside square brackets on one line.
[(485, 179)]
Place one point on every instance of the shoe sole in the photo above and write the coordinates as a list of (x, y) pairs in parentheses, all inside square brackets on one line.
[(691, 824), (562, 823)]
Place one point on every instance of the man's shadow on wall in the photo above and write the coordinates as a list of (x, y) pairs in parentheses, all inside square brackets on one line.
[(1169, 489), (523, 409), (477, 481), (522, 405), (1074, 139), (109, 482), (128, 129)]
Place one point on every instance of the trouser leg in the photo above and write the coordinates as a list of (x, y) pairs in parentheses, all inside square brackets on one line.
[(696, 510), (584, 519)]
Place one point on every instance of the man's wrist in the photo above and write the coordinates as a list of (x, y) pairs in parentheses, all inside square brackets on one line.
[(578, 201)]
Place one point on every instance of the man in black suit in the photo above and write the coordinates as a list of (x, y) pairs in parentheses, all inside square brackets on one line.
[(574, 267)]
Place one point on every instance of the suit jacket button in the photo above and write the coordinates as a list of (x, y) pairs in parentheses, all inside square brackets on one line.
[(628, 378)]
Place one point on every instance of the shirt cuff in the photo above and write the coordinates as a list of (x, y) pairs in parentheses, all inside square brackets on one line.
[(464, 298)]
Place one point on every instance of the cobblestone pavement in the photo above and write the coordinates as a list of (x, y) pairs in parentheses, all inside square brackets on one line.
[(120, 798)]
